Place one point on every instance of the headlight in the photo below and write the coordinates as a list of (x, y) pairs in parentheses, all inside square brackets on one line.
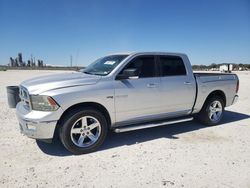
[(43, 103)]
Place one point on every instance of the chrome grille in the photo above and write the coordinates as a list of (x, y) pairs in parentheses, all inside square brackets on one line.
[(24, 96)]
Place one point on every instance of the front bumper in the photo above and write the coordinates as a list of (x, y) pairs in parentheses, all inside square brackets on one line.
[(37, 124), (37, 130), (235, 99)]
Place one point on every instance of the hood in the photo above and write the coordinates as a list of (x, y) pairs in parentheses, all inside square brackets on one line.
[(41, 84)]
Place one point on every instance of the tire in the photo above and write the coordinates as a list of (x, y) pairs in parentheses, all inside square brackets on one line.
[(83, 130), (213, 105)]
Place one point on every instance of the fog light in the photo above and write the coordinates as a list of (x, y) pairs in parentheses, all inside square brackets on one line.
[(31, 127)]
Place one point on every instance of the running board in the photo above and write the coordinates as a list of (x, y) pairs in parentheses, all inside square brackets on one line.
[(150, 125)]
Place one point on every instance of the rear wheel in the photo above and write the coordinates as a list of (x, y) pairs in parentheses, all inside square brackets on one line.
[(83, 131), (212, 111)]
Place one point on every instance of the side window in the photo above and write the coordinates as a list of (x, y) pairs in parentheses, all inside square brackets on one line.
[(145, 66), (172, 66)]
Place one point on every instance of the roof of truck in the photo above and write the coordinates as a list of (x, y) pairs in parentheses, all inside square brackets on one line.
[(148, 53)]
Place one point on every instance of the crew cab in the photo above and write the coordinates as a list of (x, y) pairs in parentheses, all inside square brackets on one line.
[(121, 92)]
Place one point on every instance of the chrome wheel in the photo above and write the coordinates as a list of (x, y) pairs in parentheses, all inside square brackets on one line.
[(85, 131), (215, 111)]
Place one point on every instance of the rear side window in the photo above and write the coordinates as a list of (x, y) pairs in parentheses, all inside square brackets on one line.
[(172, 66), (145, 66)]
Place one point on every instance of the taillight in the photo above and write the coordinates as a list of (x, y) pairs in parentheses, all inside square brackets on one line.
[(237, 86)]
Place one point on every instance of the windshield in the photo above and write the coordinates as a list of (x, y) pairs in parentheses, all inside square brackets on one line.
[(105, 65)]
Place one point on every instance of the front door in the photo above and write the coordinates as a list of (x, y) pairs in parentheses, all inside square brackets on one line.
[(137, 99)]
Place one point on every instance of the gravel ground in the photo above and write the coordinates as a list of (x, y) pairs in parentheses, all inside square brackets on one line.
[(181, 155)]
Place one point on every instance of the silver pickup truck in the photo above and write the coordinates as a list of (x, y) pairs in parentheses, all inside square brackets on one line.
[(121, 92)]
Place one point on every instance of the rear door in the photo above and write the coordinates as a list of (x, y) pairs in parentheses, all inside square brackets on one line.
[(137, 100), (177, 88)]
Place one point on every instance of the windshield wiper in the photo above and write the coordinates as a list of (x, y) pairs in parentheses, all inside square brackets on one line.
[(94, 73), (87, 72)]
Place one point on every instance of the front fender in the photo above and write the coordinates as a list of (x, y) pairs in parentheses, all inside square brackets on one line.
[(101, 93)]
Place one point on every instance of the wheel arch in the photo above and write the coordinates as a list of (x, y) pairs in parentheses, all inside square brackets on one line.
[(218, 93), (202, 114), (93, 105)]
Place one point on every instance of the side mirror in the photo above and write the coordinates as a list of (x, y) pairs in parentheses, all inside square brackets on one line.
[(128, 73)]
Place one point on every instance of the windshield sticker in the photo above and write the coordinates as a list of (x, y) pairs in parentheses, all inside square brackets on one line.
[(109, 63)]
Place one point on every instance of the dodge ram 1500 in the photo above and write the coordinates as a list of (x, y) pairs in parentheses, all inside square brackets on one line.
[(121, 92)]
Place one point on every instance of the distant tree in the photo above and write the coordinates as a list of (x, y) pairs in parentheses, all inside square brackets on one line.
[(247, 66), (213, 65)]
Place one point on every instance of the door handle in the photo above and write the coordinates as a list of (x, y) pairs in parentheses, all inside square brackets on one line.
[(187, 83), (151, 85)]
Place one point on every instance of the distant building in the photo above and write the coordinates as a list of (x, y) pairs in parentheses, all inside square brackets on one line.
[(28, 63), (226, 68), (18, 62), (12, 62), (40, 63)]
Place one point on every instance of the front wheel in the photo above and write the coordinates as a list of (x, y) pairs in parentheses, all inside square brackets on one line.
[(212, 111), (83, 131)]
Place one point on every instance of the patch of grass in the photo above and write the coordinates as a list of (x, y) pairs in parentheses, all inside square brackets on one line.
[(3, 69)]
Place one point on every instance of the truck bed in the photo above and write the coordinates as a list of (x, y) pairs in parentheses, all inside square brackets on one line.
[(209, 82)]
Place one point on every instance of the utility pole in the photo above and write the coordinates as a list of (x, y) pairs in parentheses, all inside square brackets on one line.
[(71, 59)]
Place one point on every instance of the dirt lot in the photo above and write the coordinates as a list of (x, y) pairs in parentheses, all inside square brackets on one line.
[(181, 155)]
